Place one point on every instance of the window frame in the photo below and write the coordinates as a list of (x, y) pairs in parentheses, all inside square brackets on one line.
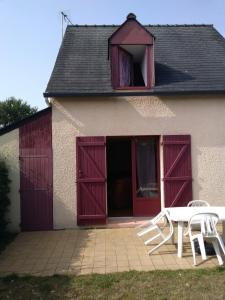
[(115, 67)]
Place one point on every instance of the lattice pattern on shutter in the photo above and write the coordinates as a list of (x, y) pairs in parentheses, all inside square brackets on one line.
[(177, 170), (91, 180)]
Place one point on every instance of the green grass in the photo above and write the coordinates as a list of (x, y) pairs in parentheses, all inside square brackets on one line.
[(181, 284)]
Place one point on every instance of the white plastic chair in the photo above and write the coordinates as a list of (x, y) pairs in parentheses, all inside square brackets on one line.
[(198, 203), (157, 224), (207, 223)]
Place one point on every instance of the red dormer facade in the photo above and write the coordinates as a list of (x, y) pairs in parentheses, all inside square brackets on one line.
[(132, 56)]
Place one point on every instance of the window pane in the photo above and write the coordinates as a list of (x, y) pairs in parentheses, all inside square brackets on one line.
[(146, 168)]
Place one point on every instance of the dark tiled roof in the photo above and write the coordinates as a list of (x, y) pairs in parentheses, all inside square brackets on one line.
[(188, 58)]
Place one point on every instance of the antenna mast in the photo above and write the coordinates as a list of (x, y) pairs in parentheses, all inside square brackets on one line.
[(66, 20)]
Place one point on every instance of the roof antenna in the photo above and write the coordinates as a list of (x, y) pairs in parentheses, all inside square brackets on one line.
[(66, 20)]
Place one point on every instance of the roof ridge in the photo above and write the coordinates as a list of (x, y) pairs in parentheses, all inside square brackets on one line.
[(148, 25)]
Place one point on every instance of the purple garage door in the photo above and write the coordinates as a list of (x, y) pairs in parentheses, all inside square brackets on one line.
[(36, 174)]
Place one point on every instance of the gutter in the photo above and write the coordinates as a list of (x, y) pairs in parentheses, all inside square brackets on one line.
[(120, 94)]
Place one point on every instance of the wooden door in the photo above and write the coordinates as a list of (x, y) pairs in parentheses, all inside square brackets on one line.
[(91, 180), (177, 170), (36, 189), (36, 173), (145, 176)]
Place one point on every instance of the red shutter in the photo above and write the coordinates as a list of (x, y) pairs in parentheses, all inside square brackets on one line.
[(151, 66), (114, 66), (177, 170), (125, 68), (91, 180)]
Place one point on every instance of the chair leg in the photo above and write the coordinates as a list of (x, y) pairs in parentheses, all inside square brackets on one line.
[(152, 239), (160, 233), (146, 230), (219, 238), (217, 250), (193, 251), (202, 247), (160, 244)]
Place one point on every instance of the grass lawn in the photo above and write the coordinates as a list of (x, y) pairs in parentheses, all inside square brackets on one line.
[(186, 284)]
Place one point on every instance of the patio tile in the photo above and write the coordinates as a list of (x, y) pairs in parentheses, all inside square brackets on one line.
[(111, 269), (84, 271), (146, 263), (99, 264), (111, 265), (94, 250), (123, 268), (136, 267), (101, 270), (148, 268)]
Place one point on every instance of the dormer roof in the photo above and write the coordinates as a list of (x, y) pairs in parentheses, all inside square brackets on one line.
[(131, 32)]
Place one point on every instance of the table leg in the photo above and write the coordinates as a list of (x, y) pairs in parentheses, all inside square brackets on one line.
[(223, 231), (180, 239), (173, 236)]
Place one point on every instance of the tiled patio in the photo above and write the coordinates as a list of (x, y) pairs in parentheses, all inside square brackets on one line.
[(89, 251)]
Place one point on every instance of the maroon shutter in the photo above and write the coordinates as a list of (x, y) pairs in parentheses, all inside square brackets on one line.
[(114, 66), (91, 180), (149, 51), (36, 174), (177, 170), (125, 65)]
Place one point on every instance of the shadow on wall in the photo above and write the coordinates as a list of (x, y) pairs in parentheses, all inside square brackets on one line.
[(201, 116)]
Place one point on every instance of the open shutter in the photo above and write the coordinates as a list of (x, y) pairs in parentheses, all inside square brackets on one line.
[(177, 170), (91, 180), (114, 66), (125, 65)]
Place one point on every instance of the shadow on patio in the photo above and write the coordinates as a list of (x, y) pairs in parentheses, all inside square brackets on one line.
[(90, 251)]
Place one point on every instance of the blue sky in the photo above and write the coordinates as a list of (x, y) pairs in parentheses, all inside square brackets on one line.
[(30, 33)]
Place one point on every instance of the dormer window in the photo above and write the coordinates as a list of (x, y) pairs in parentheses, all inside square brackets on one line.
[(132, 66), (132, 61)]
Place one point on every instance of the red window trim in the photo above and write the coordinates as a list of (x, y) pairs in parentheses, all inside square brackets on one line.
[(132, 88)]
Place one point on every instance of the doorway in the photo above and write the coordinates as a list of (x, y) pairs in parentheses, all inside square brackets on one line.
[(133, 176), (119, 176)]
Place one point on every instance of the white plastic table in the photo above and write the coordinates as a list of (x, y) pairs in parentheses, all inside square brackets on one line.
[(183, 214)]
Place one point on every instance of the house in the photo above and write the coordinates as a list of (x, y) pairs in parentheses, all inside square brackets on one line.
[(135, 122)]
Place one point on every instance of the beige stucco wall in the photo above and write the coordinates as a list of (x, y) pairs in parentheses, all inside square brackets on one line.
[(202, 117), (9, 150)]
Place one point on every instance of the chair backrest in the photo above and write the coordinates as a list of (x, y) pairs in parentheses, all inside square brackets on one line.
[(207, 223), (198, 203), (164, 218)]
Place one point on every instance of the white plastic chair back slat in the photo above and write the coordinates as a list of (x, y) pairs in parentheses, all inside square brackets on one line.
[(198, 203)]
